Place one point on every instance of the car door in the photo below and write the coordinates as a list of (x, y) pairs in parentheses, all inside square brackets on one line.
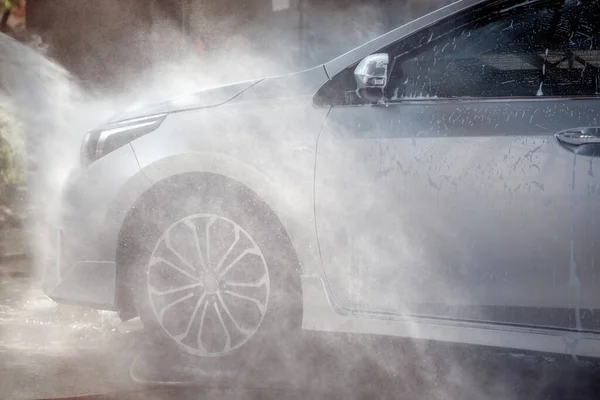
[(465, 192)]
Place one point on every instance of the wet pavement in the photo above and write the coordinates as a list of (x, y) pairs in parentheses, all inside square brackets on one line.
[(49, 350)]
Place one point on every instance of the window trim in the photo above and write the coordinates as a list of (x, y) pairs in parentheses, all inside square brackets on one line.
[(480, 100)]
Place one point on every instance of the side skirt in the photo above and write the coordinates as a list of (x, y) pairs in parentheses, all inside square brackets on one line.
[(320, 313)]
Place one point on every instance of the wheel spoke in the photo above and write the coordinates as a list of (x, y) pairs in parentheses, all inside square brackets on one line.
[(193, 316), (235, 241), (175, 290), (234, 262), (207, 235), (262, 281), (164, 309), (176, 254), (200, 256), (228, 342), (156, 260), (260, 306), (201, 328), (239, 328)]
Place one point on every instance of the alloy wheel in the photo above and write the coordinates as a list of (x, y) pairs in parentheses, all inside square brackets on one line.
[(208, 284)]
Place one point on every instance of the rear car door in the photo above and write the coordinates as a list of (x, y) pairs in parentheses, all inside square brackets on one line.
[(470, 192)]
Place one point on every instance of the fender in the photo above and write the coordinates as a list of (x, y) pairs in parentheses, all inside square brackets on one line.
[(299, 222)]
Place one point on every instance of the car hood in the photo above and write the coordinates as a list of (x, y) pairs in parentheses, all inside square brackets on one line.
[(205, 98), (304, 83)]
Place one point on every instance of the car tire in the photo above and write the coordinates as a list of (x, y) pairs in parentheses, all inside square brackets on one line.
[(234, 306)]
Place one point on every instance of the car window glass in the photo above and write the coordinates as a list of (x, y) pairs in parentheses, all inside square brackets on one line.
[(545, 49)]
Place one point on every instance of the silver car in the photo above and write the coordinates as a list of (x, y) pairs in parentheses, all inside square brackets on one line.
[(440, 182)]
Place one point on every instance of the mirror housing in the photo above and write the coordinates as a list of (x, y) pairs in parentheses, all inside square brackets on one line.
[(371, 77)]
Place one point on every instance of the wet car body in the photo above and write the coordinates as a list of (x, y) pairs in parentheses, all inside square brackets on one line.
[(429, 214)]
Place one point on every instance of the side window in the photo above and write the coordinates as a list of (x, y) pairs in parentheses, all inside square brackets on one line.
[(547, 48)]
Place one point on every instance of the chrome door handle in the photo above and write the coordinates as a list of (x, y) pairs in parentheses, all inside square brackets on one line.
[(579, 136)]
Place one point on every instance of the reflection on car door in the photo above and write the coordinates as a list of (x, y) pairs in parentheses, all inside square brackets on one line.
[(455, 199)]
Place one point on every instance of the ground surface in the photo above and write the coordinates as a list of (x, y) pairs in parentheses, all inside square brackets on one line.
[(50, 350)]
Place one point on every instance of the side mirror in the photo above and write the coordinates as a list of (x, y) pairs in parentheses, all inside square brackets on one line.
[(371, 76)]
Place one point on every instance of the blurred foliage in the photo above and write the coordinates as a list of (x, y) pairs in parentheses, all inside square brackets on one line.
[(11, 168), (10, 5), (7, 7), (13, 161)]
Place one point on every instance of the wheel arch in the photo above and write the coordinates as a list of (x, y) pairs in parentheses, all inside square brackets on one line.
[(189, 174)]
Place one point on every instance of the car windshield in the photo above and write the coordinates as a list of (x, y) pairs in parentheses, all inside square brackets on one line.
[(312, 199)]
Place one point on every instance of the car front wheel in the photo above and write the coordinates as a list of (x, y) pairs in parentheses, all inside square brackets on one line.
[(217, 278)]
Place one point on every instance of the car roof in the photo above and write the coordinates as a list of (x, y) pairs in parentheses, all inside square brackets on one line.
[(340, 63)]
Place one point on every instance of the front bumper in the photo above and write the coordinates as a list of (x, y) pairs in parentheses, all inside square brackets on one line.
[(90, 283), (80, 260)]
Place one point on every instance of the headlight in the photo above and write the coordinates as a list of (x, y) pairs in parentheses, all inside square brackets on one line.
[(100, 142)]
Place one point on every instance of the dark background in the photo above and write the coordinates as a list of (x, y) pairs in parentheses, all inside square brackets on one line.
[(107, 42)]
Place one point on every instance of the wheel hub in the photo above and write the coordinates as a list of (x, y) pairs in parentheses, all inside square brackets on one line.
[(211, 284)]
